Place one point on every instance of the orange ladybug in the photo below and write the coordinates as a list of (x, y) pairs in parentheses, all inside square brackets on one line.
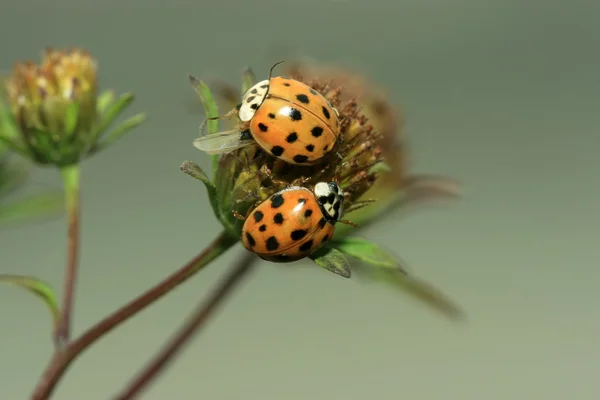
[(294, 222), (285, 117)]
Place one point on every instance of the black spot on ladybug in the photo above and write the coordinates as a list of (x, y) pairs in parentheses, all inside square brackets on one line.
[(292, 137), (277, 151), (306, 246), (258, 216), (310, 148), (308, 213), (326, 112), (250, 239), (278, 218), (277, 201), (326, 147), (322, 199), (286, 84), (298, 234), (301, 200), (254, 106), (262, 228), (331, 198), (295, 115), (263, 127), (271, 115), (254, 91), (317, 131), (249, 99), (300, 158), (313, 91), (272, 243), (302, 98), (325, 238), (336, 206), (322, 223), (264, 86)]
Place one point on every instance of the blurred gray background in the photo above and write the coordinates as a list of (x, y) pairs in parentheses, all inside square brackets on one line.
[(500, 94)]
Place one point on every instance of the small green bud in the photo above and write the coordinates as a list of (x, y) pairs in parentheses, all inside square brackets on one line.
[(54, 114)]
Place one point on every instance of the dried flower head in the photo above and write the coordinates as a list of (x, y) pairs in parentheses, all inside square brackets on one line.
[(55, 115), (369, 159)]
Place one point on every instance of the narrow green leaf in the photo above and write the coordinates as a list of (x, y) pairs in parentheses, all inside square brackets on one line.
[(71, 115), (208, 102), (248, 79), (112, 112), (12, 175), (210, 111), (12, 144), (413, 286), (366, 251), (104, 100), (37, 206), (332, 260), (36, 287), (193, 170), (124, 127)]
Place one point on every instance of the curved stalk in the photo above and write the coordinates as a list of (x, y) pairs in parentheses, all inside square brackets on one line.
[(64, 358)]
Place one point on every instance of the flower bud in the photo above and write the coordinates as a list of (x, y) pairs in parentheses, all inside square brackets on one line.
[(55, 115)]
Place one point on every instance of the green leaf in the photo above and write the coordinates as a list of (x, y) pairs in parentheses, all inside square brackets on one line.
[(193, 170), (248, 79), (71, 115), (366, 251), (332, 260), (124, 127), (413, 286), (36, 206), (210, 111), (112, 112), (36, 287)]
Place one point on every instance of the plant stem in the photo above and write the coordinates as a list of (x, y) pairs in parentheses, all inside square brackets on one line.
[(192, 327), (63, 359), (70, 177)]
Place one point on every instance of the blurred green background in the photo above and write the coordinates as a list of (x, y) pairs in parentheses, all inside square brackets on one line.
[(500, 94)]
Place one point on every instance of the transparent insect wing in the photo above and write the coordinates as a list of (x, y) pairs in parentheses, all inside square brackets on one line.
[(222, 142), (252, 99)]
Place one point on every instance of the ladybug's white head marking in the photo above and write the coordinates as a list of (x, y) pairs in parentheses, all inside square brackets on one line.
[(331, 199), (252, 99)]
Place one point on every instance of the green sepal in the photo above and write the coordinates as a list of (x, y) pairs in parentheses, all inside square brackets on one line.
[(332, 260), (71, 116), (112, 112), (124, 127), (38, 288), (210, 111), (105, 99)]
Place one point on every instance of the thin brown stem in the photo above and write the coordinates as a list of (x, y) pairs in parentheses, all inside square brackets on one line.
[(61, 360), (192, 327), (70, 175)]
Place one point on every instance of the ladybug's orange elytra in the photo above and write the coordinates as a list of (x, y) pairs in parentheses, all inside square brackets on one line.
[(286, 118), (294, 222)]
